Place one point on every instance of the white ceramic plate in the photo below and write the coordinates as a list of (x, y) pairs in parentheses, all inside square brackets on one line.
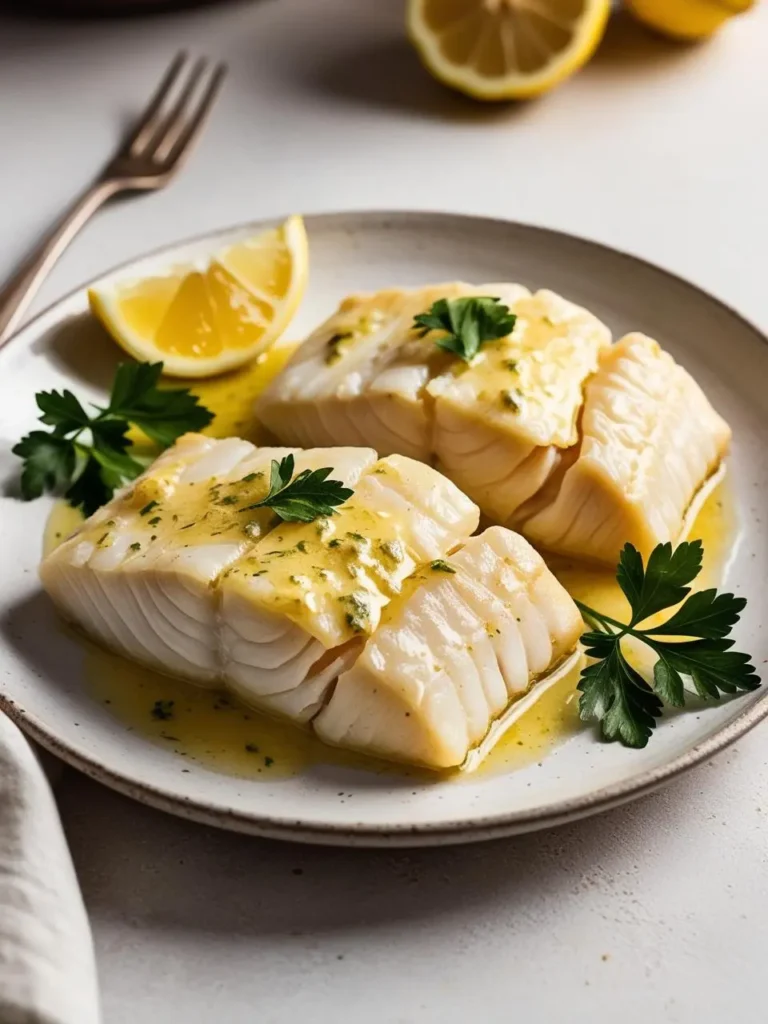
[(41, 676)]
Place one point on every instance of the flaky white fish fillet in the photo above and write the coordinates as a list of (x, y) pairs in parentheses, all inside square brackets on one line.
[(578, 444), (497, 427), (363, 374), (385, 627), (650, 440), (140, 574), (468, 637), (502, 424), (179, 573), (314, 591)]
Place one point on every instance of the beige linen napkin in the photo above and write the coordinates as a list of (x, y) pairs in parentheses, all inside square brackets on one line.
[(47, 970)]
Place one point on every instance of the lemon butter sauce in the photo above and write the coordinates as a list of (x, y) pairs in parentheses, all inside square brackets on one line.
[(217, 731)]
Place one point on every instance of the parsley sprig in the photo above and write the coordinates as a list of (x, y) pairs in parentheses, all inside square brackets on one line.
[(87, 457), (304, 497), (613, 692), (468, 322)]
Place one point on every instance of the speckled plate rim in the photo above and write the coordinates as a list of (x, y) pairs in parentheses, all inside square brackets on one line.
[(391, 834)]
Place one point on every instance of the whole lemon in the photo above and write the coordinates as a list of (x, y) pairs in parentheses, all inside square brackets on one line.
[(687, 19)]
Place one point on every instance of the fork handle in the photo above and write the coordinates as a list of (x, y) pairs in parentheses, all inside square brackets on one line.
[(19, 291)]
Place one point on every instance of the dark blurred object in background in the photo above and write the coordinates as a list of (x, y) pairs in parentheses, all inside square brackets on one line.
[(104, 8)]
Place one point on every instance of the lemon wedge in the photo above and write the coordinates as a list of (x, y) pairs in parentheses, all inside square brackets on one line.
[(505, 49), (204, 320), (687, 19)]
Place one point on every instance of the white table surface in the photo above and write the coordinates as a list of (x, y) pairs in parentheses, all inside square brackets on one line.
[(654, 913)]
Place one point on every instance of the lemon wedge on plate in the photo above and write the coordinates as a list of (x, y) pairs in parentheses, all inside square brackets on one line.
[(204, 320), (687, 19), (505, 49)]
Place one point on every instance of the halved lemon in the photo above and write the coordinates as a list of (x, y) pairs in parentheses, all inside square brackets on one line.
[(687, 19), (505, 49), (204, 320)]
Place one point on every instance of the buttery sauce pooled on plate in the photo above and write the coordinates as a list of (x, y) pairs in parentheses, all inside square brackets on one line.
[(216, 731)]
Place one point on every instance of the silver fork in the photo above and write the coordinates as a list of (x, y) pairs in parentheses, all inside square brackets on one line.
[(154, 151)]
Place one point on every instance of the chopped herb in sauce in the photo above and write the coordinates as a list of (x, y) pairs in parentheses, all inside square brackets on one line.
[(228, 499), (335, 543), (135, 546), (359, 615), (148, 508), (439, 565), (251, 476), (332, 352), (251, 748), (509, 401), (162, 710), (393, 549), (154, 521)]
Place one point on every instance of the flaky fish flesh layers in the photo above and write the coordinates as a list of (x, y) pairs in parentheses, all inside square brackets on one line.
[(552, 430), (497, 427), (651, 442), (464, 641), (180, 572), (141, 574)]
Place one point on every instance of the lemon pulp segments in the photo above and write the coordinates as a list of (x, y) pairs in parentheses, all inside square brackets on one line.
[(205, 320)]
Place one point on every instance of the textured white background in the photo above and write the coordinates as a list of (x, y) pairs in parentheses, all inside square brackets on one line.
[(654, 913)]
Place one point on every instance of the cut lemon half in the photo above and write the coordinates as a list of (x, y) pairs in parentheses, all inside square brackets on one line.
[(204, 320), (505, 49)]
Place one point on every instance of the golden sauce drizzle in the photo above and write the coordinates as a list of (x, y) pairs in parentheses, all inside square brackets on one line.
[(230, 397), (224, 735)]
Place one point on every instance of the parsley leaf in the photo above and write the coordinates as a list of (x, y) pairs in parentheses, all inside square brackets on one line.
[(86, 457), (49, 462), (162, 414), (61, 410), (468, 322), (613, 692), (664, 582), (303, 498)]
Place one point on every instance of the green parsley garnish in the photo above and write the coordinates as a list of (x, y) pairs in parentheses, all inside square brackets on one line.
[(135, 546), (468, 322), (301, 499), (85, 456), (613, 692), (439, 565), (148, 508)]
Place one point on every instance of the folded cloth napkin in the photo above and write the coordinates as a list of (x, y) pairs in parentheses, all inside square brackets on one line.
[(47, 969)]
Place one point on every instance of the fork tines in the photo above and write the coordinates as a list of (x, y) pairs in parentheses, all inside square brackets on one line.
[(177, 111)]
